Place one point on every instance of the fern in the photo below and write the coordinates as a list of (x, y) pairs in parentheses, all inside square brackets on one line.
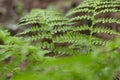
[(45, 27), (86, 17), (51, 33), (53, 28)]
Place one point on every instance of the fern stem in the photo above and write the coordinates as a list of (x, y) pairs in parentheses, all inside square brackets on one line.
[(91, 28)]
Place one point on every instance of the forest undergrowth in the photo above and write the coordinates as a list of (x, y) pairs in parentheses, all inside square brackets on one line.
[(82, 44)]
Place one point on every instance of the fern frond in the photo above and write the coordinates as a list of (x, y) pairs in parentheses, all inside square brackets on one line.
[(32, 29), (89, 13), (107, 20), (46, 24), (107, 10), (104, 30), (41, 16), (98, 41), (86, 10), (63, 50), (81, 18), (46, 45), (40, 36), (81, 28), (61, 29), (72, 38), (57, 23), (84, 5), (108, 6), (109, 2)]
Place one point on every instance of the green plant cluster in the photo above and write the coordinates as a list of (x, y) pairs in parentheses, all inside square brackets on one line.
[(63, 47)]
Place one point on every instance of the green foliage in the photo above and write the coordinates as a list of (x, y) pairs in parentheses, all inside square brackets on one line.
[(49, 33), (54, 31), (89, 16), (14, 51), (48, 29), (80, 67)]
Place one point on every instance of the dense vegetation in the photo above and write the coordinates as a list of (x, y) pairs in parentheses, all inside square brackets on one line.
[(54, 45)]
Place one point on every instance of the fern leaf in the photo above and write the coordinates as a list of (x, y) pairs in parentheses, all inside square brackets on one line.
[(108, 6), (107, 10), (81, 18), (104, 30), (81, 28), (86, 10), (107, 20)]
